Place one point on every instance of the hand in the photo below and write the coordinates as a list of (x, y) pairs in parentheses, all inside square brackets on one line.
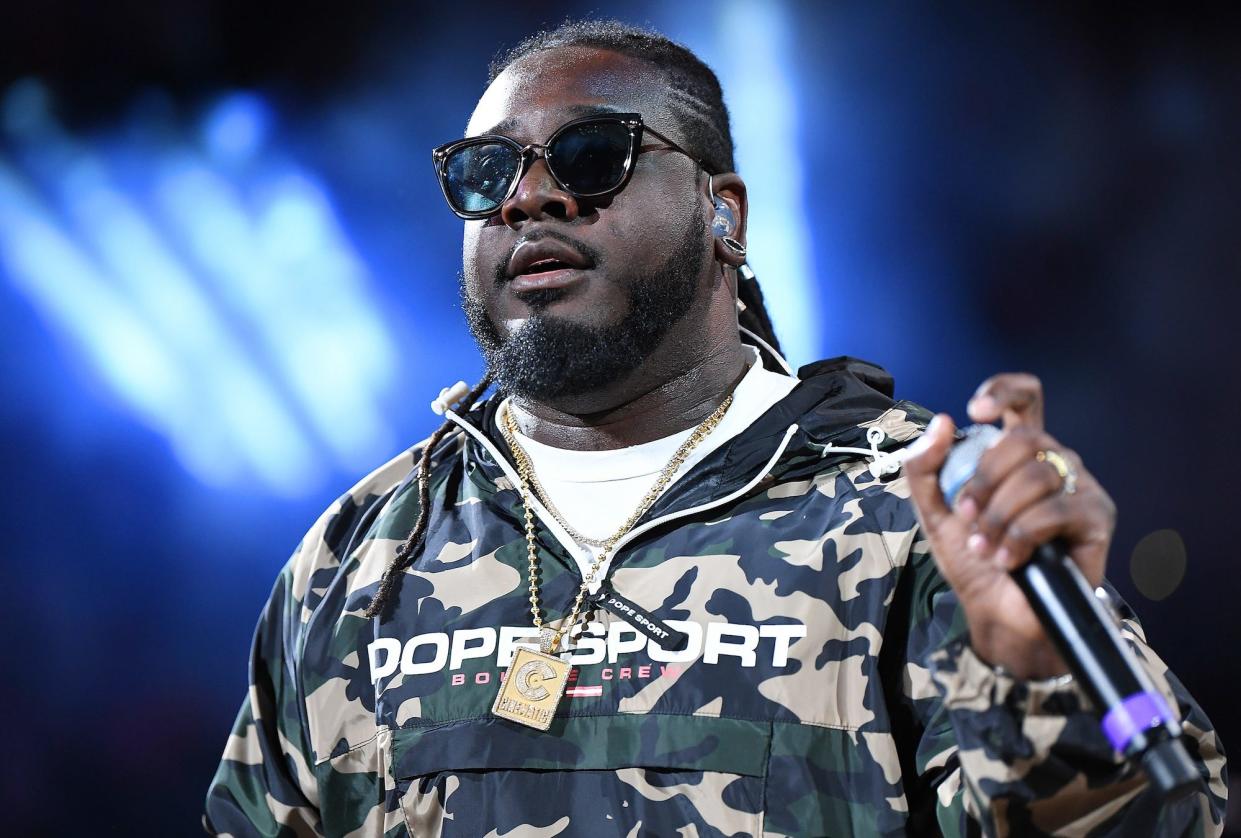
[(1012, 504)]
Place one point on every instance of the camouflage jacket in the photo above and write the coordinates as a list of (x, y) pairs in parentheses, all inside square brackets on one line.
[(826, 688)]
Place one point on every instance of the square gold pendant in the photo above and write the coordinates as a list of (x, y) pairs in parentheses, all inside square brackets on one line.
[(532, 689)]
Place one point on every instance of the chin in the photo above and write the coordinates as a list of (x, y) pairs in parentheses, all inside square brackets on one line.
[(566, 311)]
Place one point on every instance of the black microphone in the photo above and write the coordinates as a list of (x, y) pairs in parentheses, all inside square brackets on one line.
[(1134, 716)]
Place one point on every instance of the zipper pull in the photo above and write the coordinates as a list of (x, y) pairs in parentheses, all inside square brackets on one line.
[(664, 635)]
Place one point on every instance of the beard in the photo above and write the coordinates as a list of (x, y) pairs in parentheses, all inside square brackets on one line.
[(548, 357)]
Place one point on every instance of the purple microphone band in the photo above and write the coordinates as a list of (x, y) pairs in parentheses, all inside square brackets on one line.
[(1137, 713)]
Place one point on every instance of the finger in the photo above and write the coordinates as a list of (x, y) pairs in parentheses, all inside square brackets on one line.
[(1013, 451), (1014, 397), (922, 471), (1091, 557), (1037, 525), (1082, 522), (1025, 486)]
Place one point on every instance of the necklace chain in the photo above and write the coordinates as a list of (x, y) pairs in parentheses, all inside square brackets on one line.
[(508, 427), (545, 497)]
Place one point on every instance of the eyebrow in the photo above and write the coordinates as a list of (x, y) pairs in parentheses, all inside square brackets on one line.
[(573, 112)]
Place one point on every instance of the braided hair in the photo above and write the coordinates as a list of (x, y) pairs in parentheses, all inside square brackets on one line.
[(413, 542), (697, 102)]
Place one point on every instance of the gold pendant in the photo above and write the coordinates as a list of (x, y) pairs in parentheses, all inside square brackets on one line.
[(532, 689)]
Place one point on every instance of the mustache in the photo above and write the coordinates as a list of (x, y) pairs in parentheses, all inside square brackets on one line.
[(587, 253)]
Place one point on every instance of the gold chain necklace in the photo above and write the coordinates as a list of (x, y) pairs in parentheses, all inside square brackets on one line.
[(546, 499), (525, 696)]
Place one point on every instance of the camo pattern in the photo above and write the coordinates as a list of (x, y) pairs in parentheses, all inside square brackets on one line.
[(827, 689)]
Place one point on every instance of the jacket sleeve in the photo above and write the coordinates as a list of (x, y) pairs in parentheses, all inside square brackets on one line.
[(267, 783), (1004, 757), (264, 785)]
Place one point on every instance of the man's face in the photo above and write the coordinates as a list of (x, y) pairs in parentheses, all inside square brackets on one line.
[(639, 257)]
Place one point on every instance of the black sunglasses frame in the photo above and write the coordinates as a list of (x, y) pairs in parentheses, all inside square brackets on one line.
[(632, 121)]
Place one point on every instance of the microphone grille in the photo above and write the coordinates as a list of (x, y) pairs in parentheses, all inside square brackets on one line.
[(962, 460)]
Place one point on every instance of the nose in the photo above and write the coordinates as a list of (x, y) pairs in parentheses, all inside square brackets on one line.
[(538, 196)]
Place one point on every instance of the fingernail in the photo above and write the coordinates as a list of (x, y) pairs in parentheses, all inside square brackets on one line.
[(936, 422), (1003, 558), (977, 543), (967, 508), (981, 406)]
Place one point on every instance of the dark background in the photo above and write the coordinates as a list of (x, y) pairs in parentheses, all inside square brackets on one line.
[(227, 291)]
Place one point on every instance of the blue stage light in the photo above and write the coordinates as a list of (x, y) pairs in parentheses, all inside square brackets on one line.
[(760, 82), (230, 316), (236, 126), (78, 301), (227, 386), (335, 349), (286, 271)]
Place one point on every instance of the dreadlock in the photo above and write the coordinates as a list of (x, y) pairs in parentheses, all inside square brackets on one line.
[(694, 97), (413, 543), (697, 102)]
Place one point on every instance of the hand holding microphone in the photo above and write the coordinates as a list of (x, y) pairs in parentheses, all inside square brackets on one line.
[(1012, 503), (1021, 531)]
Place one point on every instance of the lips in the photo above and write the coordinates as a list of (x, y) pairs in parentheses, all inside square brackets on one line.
[(543, 264)]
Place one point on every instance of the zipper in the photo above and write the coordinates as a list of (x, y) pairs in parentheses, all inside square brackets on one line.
[(711, 504)]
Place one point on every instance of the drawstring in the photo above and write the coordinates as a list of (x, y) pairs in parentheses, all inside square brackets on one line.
[(882, 462)]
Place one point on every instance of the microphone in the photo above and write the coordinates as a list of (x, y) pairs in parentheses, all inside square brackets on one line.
[(1135, 718)]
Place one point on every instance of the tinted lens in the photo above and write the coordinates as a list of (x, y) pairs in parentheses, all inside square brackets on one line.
[(477, 177), (589, 159)]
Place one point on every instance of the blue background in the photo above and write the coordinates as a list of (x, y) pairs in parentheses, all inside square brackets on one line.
[(228, 290)]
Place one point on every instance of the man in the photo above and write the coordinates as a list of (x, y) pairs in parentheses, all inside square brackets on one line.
[(652, 587)]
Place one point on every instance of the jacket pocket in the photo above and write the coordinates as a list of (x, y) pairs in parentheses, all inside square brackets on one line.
[(626, 775)]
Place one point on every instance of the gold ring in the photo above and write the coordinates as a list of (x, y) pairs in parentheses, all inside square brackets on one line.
[(1068, 474)]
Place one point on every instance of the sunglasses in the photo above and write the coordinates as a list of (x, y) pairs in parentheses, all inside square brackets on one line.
[(588, 158)]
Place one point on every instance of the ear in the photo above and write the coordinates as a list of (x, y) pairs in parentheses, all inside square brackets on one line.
[(730, 188)]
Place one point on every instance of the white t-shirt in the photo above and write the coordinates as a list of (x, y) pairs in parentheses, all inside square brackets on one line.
[(597, 491)]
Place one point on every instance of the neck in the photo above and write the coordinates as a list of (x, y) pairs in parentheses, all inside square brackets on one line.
[(660, 398)]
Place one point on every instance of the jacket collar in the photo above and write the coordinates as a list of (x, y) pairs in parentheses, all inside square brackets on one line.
[(834, 404)]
